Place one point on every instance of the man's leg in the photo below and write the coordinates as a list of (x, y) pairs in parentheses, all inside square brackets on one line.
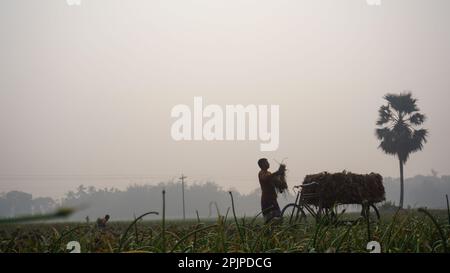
[(272, 210), (276, 209), (265, 208)]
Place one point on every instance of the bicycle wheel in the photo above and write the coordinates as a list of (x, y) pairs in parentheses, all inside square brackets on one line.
[(371, 213), (293, 212), (377, 213)]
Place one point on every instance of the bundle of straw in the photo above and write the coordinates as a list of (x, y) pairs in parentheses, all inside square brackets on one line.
[(326, 189), (279, 180)]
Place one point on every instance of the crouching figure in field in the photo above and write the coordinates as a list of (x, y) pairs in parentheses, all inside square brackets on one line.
[(101, 222)]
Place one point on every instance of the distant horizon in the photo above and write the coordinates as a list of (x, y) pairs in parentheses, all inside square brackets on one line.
[(188, 184)]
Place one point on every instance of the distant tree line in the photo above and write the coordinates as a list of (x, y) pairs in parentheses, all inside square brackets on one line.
[(206, 199), (421, 191), (16, 203)]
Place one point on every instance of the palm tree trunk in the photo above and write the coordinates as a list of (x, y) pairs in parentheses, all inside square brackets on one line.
[(402, 185)]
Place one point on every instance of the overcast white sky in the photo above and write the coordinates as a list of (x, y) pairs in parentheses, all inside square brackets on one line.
[(86, 91)]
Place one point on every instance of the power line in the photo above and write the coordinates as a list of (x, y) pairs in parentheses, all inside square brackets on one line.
[(82, 176)]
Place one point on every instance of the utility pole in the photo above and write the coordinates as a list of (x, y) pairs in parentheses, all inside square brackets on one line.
[(182, 192)]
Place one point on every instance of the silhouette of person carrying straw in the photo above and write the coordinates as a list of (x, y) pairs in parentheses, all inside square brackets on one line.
[(269, 185)]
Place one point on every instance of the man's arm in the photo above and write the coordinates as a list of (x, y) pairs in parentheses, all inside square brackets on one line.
[(269, 177), (276, 182)]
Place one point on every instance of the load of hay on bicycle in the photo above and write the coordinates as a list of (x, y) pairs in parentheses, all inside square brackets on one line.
[(321, 193)]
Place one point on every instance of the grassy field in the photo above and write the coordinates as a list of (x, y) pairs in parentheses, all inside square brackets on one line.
[(404, 231)]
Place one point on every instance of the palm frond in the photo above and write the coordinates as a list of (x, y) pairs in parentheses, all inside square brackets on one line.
[(382, 133), (403, 103), (417, 119), (418, 139), (385, 115)]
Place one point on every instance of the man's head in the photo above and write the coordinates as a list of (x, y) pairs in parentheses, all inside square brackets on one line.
[(106, 217), (263, 163)]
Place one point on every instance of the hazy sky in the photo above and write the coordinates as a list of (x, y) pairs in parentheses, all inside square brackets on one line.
[(86, 91)]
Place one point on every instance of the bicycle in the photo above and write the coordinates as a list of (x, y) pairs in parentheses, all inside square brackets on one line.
[(311, 204)]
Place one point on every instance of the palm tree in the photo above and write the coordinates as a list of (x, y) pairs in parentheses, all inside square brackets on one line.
[(398, 130)]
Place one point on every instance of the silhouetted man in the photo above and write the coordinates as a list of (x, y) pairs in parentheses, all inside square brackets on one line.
[(269, 205)]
